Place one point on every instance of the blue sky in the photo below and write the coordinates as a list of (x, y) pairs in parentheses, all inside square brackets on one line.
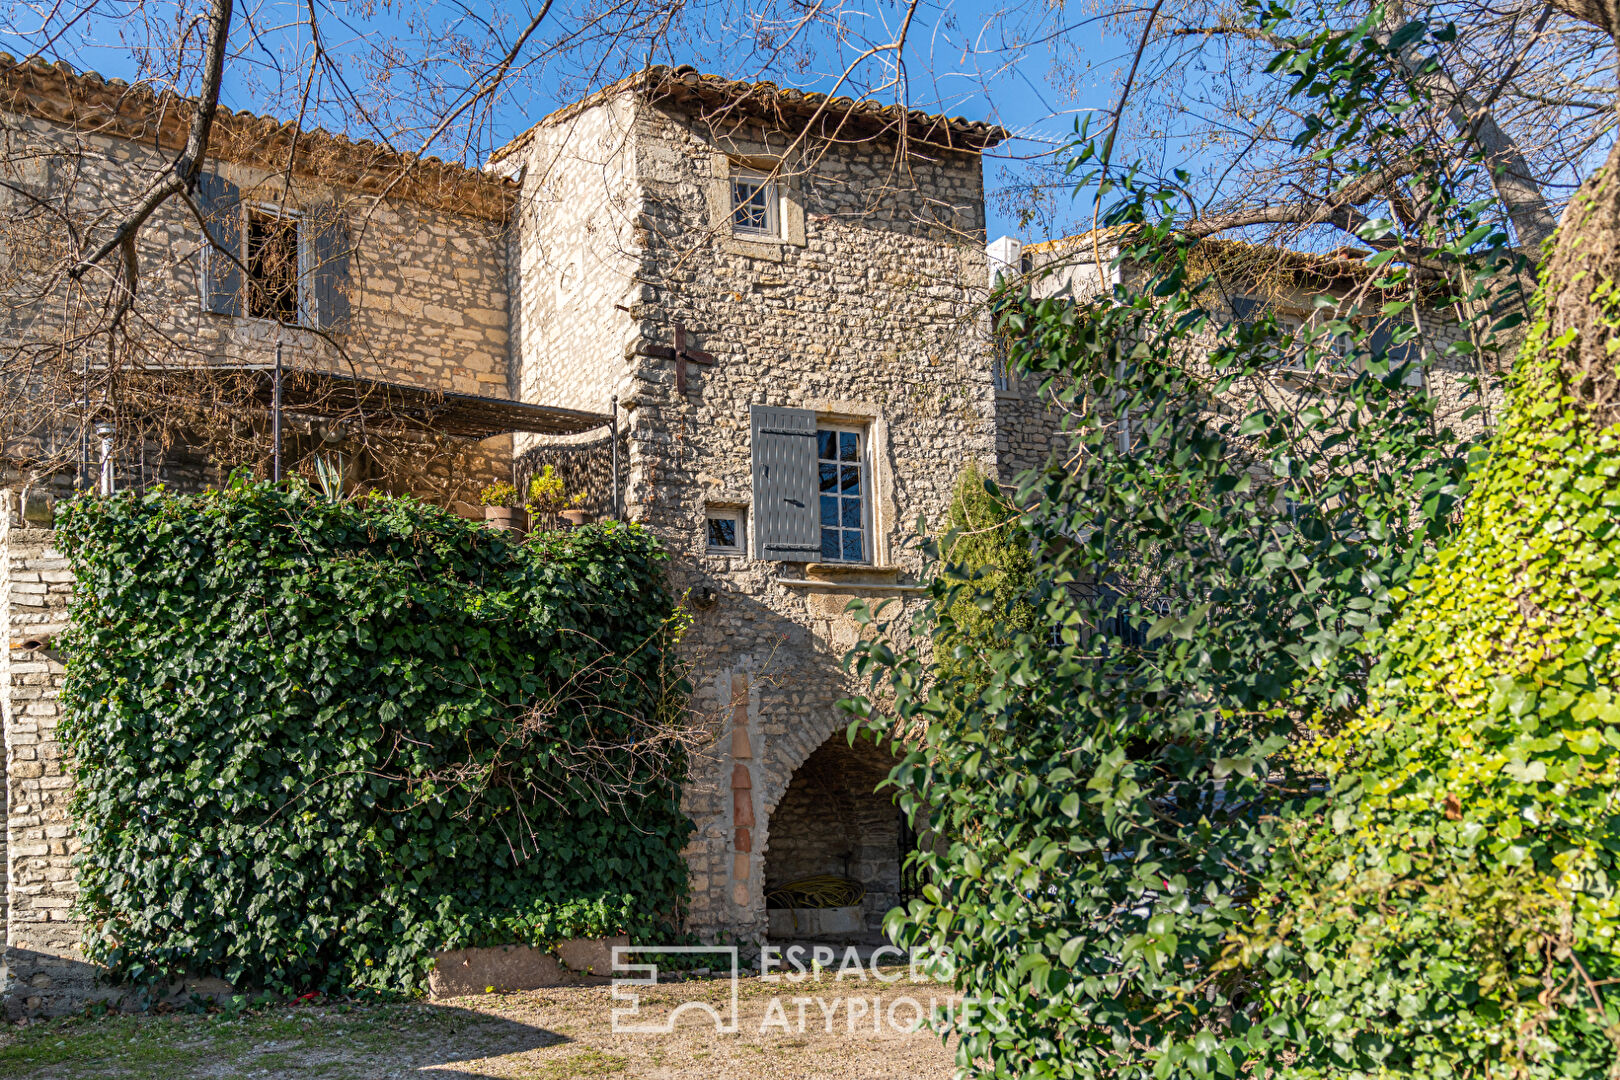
[(965, 57)]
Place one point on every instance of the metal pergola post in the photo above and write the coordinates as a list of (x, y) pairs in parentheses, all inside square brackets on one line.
[(613, 439), (275, 421)]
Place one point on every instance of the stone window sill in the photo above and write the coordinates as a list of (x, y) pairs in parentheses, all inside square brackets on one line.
[(769, 250), (854, 586), (859, 577), (839, 569)]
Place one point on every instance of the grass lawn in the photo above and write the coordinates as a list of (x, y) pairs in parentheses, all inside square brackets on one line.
[(824, 1029)]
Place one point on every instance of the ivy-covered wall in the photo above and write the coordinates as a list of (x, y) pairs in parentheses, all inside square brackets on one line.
[(313, 743)]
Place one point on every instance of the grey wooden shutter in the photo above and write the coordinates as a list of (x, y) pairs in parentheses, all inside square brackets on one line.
[(1383, 336), (787, 525), (221, 204), (1245, 310), (330, 276)]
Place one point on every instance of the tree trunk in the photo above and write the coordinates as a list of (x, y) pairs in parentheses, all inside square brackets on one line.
[(1582, 298), (1516, 186)]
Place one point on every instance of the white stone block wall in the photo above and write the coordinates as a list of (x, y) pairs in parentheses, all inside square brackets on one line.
[(573, 253), (42, 970)]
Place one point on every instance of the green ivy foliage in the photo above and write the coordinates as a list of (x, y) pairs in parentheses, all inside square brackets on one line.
[(1214, 555), (313, 743), (1453, 908)]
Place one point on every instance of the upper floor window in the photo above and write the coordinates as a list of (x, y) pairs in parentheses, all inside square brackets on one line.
[(273, 264), (813, 488), (841, 468), (755, 209), (267, 261)]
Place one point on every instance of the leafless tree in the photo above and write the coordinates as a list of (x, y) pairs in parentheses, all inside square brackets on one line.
[(1524, 86), (407, 84)]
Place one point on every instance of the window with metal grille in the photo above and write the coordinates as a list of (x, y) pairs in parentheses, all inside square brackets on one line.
[(754, 208), (841, 468)]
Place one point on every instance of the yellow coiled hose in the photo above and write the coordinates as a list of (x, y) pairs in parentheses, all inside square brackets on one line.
[(821, 891)]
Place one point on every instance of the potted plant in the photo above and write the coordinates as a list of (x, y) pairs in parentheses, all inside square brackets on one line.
[(548, 495), (502, 509), (576, 514)]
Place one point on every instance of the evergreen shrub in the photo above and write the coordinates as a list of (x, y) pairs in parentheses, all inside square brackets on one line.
[(313, 743)]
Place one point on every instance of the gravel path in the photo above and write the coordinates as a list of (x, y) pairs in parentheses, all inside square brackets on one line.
[(825, 1029)]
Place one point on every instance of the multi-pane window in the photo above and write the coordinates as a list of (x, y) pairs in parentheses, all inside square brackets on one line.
[(841, 464), (272, 265), (753, 204)]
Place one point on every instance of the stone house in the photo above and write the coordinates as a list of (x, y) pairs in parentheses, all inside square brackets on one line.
[(749, 317), (1255, 280)]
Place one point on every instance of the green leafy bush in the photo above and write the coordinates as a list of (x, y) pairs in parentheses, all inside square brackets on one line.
[(1452, 907), (984, 546), (1214, 549), (314, 742)]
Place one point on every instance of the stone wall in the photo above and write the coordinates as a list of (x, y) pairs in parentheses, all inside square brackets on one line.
[(572, 257), (1029, 428), (428, 292), (43, 972), (867, 309)]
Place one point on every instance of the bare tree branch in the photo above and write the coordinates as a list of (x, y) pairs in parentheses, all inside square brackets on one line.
[(182, 173), (1511, 174)]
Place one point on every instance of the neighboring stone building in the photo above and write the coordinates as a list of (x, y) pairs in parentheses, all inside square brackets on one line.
[(775, 299), (1248, 280), (410, 287)]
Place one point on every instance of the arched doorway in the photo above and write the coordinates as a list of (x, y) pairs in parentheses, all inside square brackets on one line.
[(833, 858)]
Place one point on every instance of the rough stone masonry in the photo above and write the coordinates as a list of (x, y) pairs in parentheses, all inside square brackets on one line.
[(783, 294)]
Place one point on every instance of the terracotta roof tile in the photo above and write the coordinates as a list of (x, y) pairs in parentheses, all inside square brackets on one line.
[(87, 101), (788, 106)]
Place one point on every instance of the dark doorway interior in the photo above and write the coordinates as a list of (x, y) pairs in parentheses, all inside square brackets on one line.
[(832, 822)]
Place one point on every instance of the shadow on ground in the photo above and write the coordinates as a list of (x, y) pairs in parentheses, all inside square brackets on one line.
[(327, 1042)]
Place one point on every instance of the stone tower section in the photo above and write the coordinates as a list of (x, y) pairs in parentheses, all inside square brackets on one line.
[(574, 253), (768, 281)]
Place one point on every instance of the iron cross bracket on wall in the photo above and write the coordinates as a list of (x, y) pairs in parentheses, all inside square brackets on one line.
[(681, 355)]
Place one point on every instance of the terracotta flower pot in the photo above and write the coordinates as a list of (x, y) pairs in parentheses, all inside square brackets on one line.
[(510, 518), (578, 517)]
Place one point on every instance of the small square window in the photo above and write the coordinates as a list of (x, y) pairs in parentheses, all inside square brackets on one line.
[(754, 205), (725, 531)]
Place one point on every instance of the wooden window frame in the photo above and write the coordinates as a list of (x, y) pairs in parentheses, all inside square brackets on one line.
[(760, 182), (736, 514), (865, 495), (305, 257)]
